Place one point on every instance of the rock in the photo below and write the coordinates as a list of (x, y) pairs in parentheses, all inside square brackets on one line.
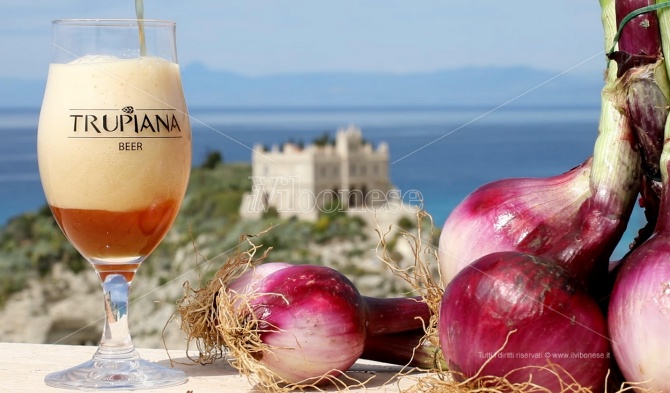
[(67, 308)]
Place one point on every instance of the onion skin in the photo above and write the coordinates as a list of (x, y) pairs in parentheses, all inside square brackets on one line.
[(553, 319), (647, 109)]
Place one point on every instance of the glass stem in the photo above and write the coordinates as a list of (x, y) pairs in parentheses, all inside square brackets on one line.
[(116, 343)]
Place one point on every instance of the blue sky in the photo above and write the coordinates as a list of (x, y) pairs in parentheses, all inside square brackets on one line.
[(260, 37)]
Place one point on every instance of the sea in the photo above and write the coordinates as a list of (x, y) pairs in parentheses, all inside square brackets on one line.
[(440, 153)]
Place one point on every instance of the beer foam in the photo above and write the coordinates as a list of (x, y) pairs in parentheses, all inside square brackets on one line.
[(100, 142), (90, 59)]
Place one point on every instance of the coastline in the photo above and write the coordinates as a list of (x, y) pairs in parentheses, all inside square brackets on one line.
[(440, 151)]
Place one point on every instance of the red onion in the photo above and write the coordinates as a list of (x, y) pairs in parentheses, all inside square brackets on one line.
[(567, 219), (524, 214), (299, 324), (538, 308), (576, 219), (311, 319), (639, 310)]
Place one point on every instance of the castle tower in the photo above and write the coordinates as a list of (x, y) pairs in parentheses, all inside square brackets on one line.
[(304, 181)]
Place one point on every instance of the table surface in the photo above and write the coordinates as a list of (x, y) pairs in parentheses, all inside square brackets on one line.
[(23, 367)]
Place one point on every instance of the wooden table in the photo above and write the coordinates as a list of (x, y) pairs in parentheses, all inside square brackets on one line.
[(23, 367)]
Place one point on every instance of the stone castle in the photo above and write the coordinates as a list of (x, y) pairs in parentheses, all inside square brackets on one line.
[(301, 181)]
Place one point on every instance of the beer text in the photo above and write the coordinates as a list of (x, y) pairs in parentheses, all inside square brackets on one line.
[(130, 146)]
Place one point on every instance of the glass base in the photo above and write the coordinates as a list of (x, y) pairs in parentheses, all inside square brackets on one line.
[(116, 375)]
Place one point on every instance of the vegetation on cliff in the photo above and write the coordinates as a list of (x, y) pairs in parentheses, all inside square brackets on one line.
[(31, 243)]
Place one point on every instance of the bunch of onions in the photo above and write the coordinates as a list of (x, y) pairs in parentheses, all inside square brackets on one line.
[(293, 326), (639, 308), (522, 307)]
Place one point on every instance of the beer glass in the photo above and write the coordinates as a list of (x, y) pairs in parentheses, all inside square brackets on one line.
[(114, 152)]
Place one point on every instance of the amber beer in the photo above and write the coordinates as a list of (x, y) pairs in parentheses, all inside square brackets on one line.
[(114, 150), (112, 238)]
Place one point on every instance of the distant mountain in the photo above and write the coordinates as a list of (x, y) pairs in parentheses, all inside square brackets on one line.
[(467, 87), (464, 87)]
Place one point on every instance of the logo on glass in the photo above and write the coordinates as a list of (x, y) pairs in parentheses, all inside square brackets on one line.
[(146, 122)]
